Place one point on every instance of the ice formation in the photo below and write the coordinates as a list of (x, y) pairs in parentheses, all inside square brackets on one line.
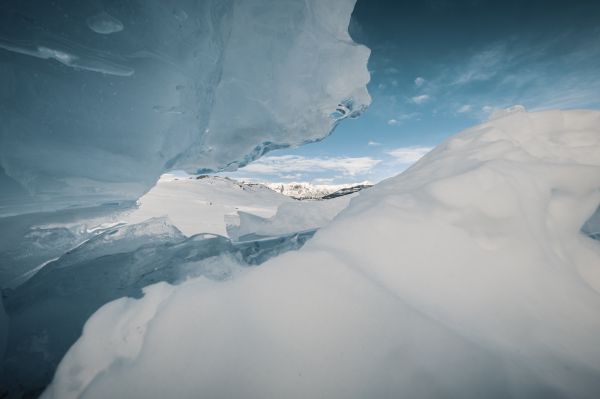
[(98, 99), (49, 309), (466, 276)]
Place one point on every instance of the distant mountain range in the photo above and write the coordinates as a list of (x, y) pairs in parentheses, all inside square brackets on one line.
[(305, 190)]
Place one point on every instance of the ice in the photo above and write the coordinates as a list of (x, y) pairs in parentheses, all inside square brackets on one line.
[(95, 116), (104, 23), (465, 276), (592, 225), (31, 240)]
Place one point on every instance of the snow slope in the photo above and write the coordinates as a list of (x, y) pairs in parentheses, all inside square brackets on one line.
[(201, 205), (466, 276)]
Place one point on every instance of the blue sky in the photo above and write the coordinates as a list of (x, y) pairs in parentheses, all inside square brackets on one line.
[(440, 66)]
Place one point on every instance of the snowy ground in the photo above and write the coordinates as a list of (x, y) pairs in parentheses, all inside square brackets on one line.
[(466, 276)]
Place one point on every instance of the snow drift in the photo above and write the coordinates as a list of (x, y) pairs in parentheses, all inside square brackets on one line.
[(467, 276), (98, 99)]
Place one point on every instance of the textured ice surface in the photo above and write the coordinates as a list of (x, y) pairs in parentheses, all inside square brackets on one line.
[(30, 240), (104, 23), (91, 118), (466, 276), (48, 311), (592, 225)]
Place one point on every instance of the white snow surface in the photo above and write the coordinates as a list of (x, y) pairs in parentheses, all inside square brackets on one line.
[(291, 217), (466, 276), (202, 205)]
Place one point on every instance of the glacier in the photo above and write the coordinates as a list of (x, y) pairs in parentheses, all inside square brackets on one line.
[(468, 275), (98, 99)]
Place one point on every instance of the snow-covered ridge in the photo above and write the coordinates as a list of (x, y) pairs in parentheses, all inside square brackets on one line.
[(466, 275), (305, 190)]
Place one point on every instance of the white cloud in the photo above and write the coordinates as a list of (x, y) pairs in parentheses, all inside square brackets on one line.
[(487, 109), (373, 143), (348, 166), (419, 81), (420, 99), (402, 118), (464, 108), (409, 154)]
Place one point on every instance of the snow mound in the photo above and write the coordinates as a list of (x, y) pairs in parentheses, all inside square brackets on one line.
[(115, 94), (465, 276)]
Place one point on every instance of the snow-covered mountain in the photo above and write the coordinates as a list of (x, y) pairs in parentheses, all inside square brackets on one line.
[(305, 190)]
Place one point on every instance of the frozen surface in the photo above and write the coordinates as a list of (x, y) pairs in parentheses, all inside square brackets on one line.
[(466, 276), (98, 99)]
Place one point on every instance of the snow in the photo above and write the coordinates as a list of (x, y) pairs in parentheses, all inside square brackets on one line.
[(204, 205), (290, 217), (305, 190), (113, 95), (466, 275)]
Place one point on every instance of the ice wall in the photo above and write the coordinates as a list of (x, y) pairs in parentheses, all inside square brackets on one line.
[(467, 276), (98, 98)]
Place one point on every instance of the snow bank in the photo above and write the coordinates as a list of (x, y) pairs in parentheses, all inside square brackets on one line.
[(98, 100), (290, 217), (466, 276)]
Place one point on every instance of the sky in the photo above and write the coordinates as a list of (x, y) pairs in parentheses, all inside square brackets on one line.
[(440, 66)]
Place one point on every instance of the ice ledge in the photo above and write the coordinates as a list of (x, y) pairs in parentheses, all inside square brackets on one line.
[(97, 112)]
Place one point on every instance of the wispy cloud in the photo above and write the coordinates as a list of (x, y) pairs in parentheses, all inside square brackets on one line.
[(423, 98), (349, 166), (406, 155), (464, 108), (373, 143), (484, 65), (403, 118), (419, 81)]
